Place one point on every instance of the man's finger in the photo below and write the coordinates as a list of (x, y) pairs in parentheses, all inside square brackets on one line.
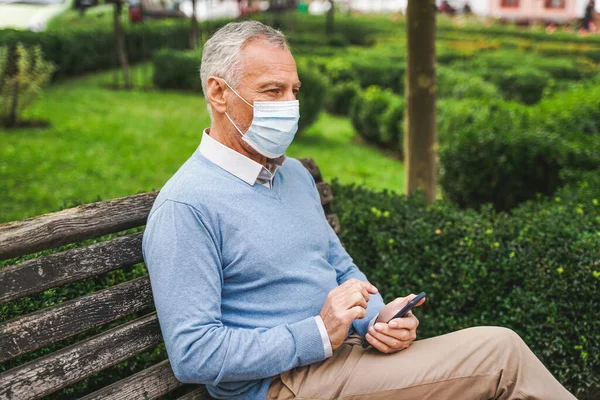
[(398, 342), (382, 347), (409, 322), (401, 334)]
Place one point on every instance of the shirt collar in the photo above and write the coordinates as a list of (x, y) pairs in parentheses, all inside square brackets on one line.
[(235, 163)]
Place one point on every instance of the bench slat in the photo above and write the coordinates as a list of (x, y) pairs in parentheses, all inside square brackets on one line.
[(71, 364), (148, 384), (311, 166), (52, 324), (325, 193), (74, 224), (35, 275), (198, 394)]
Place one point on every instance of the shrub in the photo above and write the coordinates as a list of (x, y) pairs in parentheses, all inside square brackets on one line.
[(522, 270), (23, 74), (367, 112), (392, 125), (502, 169), (341, 97), (495, 116), (313, 94), (316, 40), (558, 68), (340, 69), (84, 50), (461, 85), (177, 70), (523, 84), (573, 112), (379, 72)]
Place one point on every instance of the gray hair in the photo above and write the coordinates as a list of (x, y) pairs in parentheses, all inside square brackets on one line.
[(222, 53)]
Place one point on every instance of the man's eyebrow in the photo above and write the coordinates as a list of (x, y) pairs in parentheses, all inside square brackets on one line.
[(277, 84)]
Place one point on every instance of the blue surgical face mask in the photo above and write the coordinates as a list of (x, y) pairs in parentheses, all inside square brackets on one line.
[(273, 127)]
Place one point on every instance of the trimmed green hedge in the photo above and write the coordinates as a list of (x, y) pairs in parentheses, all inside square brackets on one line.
[(377, 115), (462, 85), (312, 96), (576, 111), (78, 51), (341, 97), (536, 270), (179, 70)]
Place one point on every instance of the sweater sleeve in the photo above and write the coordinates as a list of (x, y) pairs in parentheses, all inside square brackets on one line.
[(184, 262), (346, 269)]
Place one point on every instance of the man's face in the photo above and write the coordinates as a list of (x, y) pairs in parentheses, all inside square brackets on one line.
[(268, 74)]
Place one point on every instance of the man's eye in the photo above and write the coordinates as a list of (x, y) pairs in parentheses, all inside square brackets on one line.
[(274, 91)]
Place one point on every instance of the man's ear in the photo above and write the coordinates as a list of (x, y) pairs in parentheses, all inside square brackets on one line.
[(215, 94)]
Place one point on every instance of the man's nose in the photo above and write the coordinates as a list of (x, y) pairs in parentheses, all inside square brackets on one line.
[(289, 95)]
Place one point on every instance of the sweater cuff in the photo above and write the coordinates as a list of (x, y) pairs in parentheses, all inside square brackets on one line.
[(373, 321), (309, 345), (324, 337)]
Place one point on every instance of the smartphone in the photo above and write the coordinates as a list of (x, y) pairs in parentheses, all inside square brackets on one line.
[(402, 313), (409, 306)]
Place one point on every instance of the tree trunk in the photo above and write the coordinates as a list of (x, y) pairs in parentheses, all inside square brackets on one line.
[(330, 15), (14, 105), (194, 28), (120, 42), (420, 138)]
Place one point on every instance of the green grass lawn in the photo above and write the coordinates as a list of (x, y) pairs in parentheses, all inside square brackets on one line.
[(105, 144)]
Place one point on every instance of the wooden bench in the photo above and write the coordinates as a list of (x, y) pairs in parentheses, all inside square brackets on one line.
[(27, 276)]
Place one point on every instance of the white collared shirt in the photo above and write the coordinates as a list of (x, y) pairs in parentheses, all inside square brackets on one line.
[(238, 164), (252, 172)]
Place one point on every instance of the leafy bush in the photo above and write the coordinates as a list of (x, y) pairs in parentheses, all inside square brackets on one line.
[(375, 115), (23, 74), (392, 125), (462, 85), (78, 51), (341, 97), (558, 68), (502, 169), (313, 94), (523, 84), (379, 72), (177, 70), (573, 112), (521, 270), (495, 116), (340, 69), (315, 40)]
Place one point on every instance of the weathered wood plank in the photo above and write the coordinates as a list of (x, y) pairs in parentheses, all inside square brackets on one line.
[(35, 275), (148, 384), (199, 394), (334, 221), (311, 166), (74, 224), (52, 324), (325, 192), (71, 364)]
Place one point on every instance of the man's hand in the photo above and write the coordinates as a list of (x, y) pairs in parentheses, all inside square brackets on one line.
[(399, 333), (343, 305)]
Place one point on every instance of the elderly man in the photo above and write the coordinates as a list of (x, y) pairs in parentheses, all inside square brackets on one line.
[(256, 296)]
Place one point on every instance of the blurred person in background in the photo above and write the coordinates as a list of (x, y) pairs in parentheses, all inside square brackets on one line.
[(588, 16)]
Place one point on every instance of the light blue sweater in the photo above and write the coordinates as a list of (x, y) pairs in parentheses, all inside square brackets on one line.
[(238, 274)]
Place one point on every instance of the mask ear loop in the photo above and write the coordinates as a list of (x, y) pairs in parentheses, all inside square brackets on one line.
[(236, 93), (227, 115)]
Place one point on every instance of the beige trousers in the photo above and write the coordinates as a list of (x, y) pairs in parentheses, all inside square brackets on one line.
[(474, 363)]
